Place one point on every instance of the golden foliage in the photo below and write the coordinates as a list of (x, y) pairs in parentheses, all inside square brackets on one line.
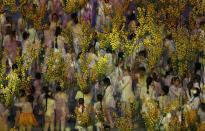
[(152, 115), (73, 5), (190, 117)]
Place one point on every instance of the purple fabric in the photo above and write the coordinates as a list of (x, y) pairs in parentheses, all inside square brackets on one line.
[(94, 12)]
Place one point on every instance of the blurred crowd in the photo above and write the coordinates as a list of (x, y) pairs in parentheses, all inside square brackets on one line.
[(124, 91)]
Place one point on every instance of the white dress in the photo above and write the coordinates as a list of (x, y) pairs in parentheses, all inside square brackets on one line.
[(174, 92), (127, 94), (142, 85), (33, 36), (77, 34), (108, 99), (115, 78), (60, 43), (194, 103), (50, 107), (94, 59), (110, 63)]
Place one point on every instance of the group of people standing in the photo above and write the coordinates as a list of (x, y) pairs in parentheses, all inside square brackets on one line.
[(127, 84)]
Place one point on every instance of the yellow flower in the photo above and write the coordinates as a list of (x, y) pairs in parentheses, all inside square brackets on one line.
[(102, 65), (11, 89), (152, 115)]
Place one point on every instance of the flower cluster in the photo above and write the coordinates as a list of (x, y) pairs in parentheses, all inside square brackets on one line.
[(73, 5), (172, 106), (190, 117), (125, 122), (83, 117), (114, 39), (87, 36), (182, 53), (32, 51), (12, 87), (152, 35), (55, 67), (11, 4), (152, 115), (83, 76), (101, 65)]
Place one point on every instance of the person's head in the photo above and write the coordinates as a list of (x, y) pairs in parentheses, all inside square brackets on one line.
[(201, 53), (143, 53), (21, 24), (81, 101), (119, 64), (106, 1), (121, 55), (100, 97), (142, 70), (169, 62), (55, 17), (47, 25), (14, 66), (197, 78), (165, 90), (30, 98), (58, 31), (197, 67), (108, 50), (107, 127), (177, 81), (45, 89), (9, 19), (106, 81), (188, 75), (190, 85), (13, 34), (195, 92), (49, 94), (22, 93), (148, 82), (74, 17), (38, 75), (169, 37), (202, 107), (167, 73), (154, 76), (25, 35), (30, 24), (131, 16), (58, 89), (32, 89), (127, 71), (8, 30)]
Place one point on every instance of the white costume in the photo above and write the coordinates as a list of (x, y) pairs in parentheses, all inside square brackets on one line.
[(142, 85), (174, 92), (77, 34), (127, 95), (108, 99), (60, 43), (49, 114)]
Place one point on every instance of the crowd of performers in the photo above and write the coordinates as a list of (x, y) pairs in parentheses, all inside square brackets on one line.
[(127, 85)]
